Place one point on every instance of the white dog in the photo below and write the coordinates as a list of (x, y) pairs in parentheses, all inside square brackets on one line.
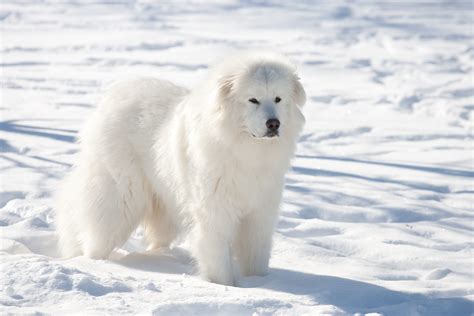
[(210, 162)]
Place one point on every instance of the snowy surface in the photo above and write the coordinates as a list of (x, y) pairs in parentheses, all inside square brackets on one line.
[(378, 208)]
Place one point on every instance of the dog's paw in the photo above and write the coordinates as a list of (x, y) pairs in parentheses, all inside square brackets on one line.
[(220, 277)]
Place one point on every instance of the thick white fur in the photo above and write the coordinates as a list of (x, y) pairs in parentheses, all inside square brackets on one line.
[(155, 154)]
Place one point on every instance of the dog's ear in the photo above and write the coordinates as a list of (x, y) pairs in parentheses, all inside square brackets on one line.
[(225, 86), (300, 94)]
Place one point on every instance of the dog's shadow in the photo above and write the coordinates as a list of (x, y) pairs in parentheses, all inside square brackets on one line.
[(355, 296), (349, 295), (164, 260)]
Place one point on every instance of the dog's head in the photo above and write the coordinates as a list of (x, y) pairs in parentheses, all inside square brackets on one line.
[(261, 95)]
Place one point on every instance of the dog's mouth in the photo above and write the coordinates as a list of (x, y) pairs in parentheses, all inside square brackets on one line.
[(268, 135), (272, 134)]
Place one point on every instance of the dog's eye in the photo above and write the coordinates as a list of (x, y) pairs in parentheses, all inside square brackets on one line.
[(277, 99), (254, 101)]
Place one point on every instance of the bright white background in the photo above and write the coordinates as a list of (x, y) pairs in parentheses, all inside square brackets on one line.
[(377, 213)]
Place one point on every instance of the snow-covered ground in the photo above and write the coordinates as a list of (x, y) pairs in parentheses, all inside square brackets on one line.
[(378, 207)]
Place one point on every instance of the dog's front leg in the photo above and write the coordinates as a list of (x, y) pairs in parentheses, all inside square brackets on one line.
[(254, 242), (214, 234)]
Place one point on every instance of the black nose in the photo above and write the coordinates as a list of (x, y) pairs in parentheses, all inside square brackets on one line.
[(273, 124)]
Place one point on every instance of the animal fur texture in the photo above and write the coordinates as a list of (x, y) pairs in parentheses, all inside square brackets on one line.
[(205, 162)]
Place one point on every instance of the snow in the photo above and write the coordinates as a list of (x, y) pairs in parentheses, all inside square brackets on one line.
[(377, 213)]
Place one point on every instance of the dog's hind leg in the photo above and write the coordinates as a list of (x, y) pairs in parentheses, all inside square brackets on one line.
[(114, 201), (67, 207), (159, 228)]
